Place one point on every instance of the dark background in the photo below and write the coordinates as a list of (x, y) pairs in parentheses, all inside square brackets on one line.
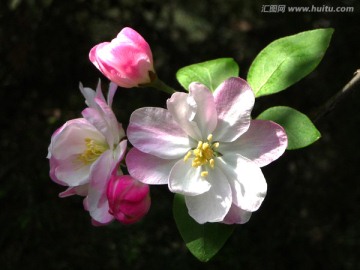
[(310, 218)]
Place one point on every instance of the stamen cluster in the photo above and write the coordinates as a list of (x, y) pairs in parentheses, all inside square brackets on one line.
[(203, 154), (92, 152)]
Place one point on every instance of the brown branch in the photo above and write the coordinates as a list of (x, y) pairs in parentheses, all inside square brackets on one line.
[(333, 101)]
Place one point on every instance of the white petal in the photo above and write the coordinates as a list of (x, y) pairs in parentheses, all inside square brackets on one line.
[(111, 93), (89, 95), (206, 115), (213, 205), (186, 180), (100, 113), (81, 190), (70, 139), (119, 153), (247, 182), (97, 203), (147, 168), (234, 101), (105, 121), (263, 142), (72, 171), (154, 131), (236, 215), (183, 108)]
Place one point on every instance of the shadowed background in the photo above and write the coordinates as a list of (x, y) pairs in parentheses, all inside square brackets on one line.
[(310, 218)]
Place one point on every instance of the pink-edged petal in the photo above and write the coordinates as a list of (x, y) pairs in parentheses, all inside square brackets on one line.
[(93, 54), (133, 69), (183, 108), (93, 221), (111, 93), (123, 61), (186, 180), (100, 113), (99, 224), (236, 215), (234, 101), (154, 131), (54, 163), (206, 115), (89, 95), (97, 203), (70, 139), (147, 168), (79, 190), (102, 56), (98, 93), (119, 152), (104, 125), (264, 142), (53, 139), (72, 171), (247, 182), (213, 205), (129, 35)]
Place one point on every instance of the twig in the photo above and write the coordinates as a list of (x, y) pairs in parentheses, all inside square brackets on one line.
[(333, 101)]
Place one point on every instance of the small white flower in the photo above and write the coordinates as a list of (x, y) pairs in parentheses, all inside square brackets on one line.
[(206, 147)]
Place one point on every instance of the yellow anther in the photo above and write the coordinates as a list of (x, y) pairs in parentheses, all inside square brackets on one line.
[(205, 146), (195, 164), (92, 152), (188, 154), (203, 154), (212, 163), (197, 152), (208, 153), (204, 174)]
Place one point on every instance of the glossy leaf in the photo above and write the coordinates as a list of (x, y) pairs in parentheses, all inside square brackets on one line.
[(287, 60), (203, 240), (210, 73), (300, 130)]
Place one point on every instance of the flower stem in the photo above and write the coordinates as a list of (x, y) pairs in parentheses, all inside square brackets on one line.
[(158, 84)]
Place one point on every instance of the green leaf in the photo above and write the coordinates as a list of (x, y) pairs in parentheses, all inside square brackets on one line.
[(210, 73), (203, 240), (287, 60), (300, 130)]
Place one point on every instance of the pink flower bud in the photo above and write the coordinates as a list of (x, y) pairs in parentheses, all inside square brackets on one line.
[(126, 60), (129, 199)]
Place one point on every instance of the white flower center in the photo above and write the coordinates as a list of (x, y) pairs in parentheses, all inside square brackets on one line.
[(93, 150), (203, 154)]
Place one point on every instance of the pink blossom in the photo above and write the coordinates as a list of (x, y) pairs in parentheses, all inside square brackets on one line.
[(85, 151), (126, 60), (206, 147), (129, 199)]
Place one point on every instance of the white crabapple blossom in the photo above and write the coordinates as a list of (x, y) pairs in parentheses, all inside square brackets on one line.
[(206, 147), (84, 153)]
